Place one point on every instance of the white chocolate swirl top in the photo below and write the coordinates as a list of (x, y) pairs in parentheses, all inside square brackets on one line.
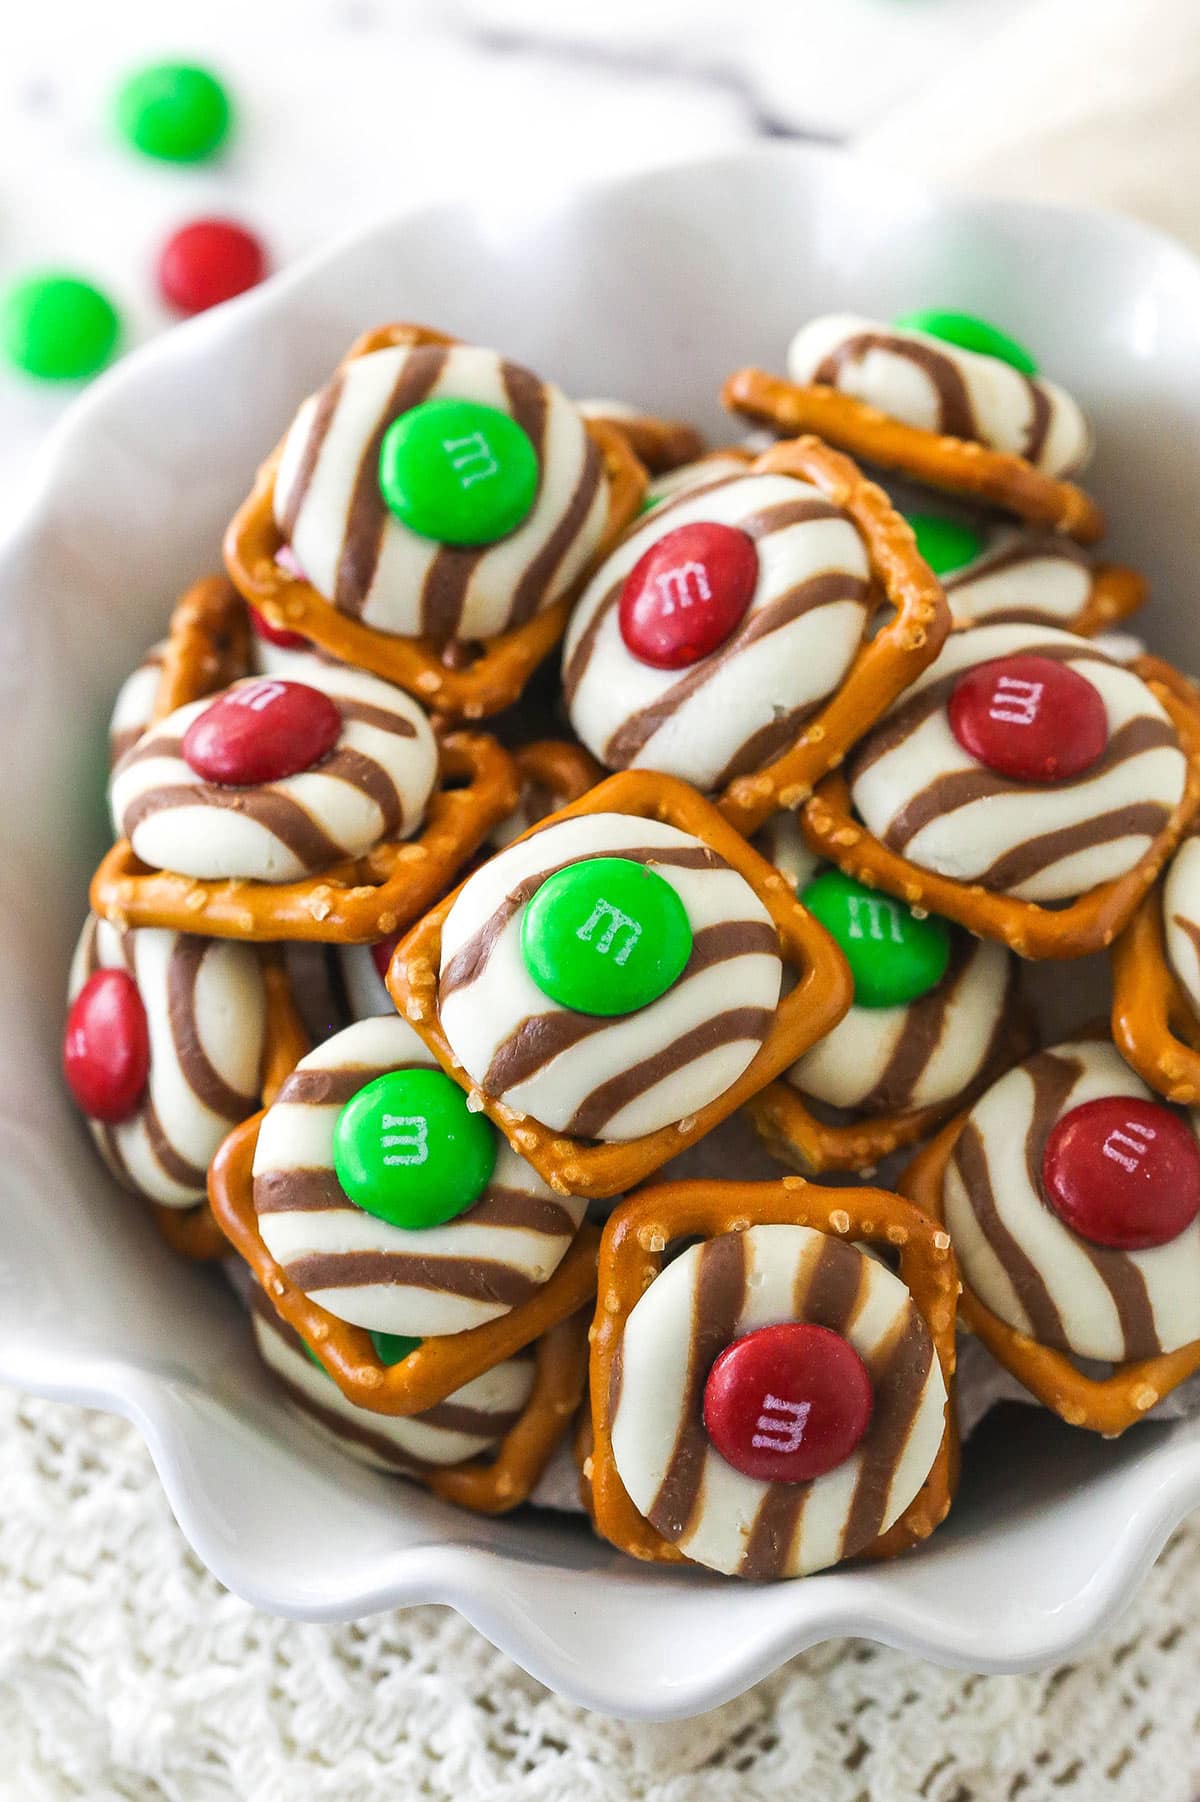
[(744, 703), (470, 1421), (1181, 917), (356, 553), (441, 1279), (916, 788), (1022, 1260), (612, 1077), (373, 785), (927, 382), (206, 1016), (715, 1293)]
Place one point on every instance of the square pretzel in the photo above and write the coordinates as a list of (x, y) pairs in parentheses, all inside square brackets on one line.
[(353, 903), (1104, 1405), (1089, 923), (632, 1252), (495, 679), (883, 667), (812, 1008), (1154, 1025), (439, 1365), (956, 465)]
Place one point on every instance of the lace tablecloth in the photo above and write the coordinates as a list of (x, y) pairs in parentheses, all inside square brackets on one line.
[(127, 1675)]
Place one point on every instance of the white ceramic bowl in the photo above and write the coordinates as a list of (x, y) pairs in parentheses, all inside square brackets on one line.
[(650, 289)]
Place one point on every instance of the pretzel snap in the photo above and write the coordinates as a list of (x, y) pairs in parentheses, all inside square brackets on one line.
[(1154, 1023), (660, 445), (729, 1289), (353, 903), (1032, 930), (956, 465), (456, 680), (576, 1165)]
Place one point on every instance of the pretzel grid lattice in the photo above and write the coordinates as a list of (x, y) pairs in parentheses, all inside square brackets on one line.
[(818, 1000), (496, 677), (632, 1255)]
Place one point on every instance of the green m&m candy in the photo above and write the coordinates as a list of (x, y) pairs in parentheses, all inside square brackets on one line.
[(58, 328), (894, 958), (392, 1348), (969, 333), (945, 544), (458, 471), (605, 936), (175, 111), (407, 1149)]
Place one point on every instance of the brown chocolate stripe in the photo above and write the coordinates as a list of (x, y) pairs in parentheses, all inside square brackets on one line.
[(382, 718), (528, 405), (299, 1190), (971, 1162), (523, 1211), (470, 960), (121, 742), (419, 374), (782, 514), (899, 1370), (473, 1279), (962, 788), (717, 1301), (156, 744), (920, 1036), (480, 1423), (540, 572), (956, 415), (597, 1109), (1031, 547), (370, 779), (824, 590), (1145, 819), (322, 419), (316, 1087), (540, 1038), (180, 1169), (275, 812), (766, 744), (201, 1075), (1053, 1078), (1039, 420), (576, 665), (444, 589)]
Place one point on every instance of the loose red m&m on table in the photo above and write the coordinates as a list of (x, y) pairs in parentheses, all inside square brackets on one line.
[(178, 112), (209, 261), (261, 732), (408, 1149), (605, 936), (894, 958), (458, 471), (787, 1403), (687, 594), (106, 1047), (276, 635), (1029, 718), (1123, 1173), (58, 327)]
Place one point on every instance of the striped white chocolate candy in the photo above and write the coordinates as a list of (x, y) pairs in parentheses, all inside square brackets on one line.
[(334, 985), (1022, 577), (373, 785), (206, 1016), (441, 1279), (744, 703), (890, 1060), (916, 788), (133, 708), (707, 1298), (1019, 1257), (612, 1077), (470, 1422), (711, 468), (356, 553), (1181, 917), (926, 382)]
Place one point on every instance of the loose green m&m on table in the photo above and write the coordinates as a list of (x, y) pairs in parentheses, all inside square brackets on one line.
[(969, 333), (178, 112), (58, 327), (605, 936), (407, 1149), (894, 958), (945, 544), (458, 471)]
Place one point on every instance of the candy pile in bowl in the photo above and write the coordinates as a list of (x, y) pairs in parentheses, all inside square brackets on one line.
[(560, 870)]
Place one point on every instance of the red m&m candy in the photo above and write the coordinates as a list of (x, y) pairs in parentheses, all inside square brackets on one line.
[(787, 1403), (277, 635), (1029, 718), (690, 590), (209, 261), (1123, 1173), (106, 1047), (261, 732)]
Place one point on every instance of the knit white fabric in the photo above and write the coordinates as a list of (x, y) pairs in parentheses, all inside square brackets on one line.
[(127, 1675)]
